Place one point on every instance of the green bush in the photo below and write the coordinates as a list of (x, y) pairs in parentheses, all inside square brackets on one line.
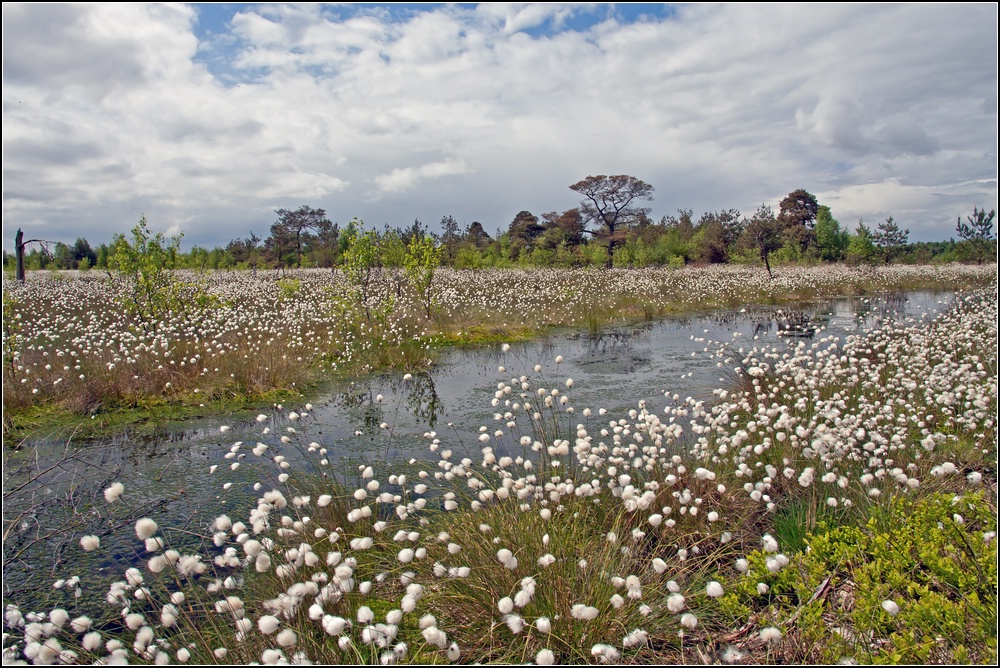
[(936, 564)]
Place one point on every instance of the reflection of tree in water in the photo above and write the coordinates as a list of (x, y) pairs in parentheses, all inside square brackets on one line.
[(599, 343), (420, 394), (799, 318), (890, 306), (893, 305), (51, 499), (761, 327), (615, 337), (361, 402), (422, 398), (612, 350), (761, 319), (862, 308)]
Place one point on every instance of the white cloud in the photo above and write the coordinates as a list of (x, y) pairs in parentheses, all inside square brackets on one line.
[(113, 110), (401, 180)]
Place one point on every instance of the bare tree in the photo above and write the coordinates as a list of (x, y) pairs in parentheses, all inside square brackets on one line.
[(19, 245)]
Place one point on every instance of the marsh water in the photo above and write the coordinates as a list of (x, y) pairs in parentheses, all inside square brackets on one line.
[(168, 477)]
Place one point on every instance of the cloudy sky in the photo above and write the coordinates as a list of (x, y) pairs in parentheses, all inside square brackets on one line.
[(208, 117)]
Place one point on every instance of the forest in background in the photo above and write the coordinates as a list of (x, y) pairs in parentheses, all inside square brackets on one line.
[(609, 228)]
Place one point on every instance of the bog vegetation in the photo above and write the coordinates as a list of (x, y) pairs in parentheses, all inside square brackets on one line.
[(145, 335), (836, 503)]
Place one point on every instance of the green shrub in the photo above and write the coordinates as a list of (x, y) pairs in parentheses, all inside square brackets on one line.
[(937, 563)]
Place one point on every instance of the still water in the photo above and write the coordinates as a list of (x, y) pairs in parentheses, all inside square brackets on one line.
[(53, 492)]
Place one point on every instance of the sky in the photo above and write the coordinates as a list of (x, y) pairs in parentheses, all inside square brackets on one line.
[(206, 118)]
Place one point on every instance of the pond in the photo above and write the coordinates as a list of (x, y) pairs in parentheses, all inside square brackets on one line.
[(378, 420)]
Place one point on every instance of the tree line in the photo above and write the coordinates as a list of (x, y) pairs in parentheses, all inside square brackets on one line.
[(608, 229)]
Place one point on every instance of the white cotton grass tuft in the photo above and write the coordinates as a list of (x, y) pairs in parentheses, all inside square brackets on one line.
[(156, 564), (584, 612), (365, 615), (268, 624), (515, 623), (770, 634), (113, 492), (523, 597), (333, 625), (714, 589), (635, 638), (81, 624), (454, 653), (58, 617), (435, 636), (145, 528), (271, 657), (731, 654), (890, 607), (90, 543), (545, 657), (605, 653), (507, 558)]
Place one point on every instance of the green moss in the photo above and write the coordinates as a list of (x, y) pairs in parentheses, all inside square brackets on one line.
[(479, 335), (151, 417)]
